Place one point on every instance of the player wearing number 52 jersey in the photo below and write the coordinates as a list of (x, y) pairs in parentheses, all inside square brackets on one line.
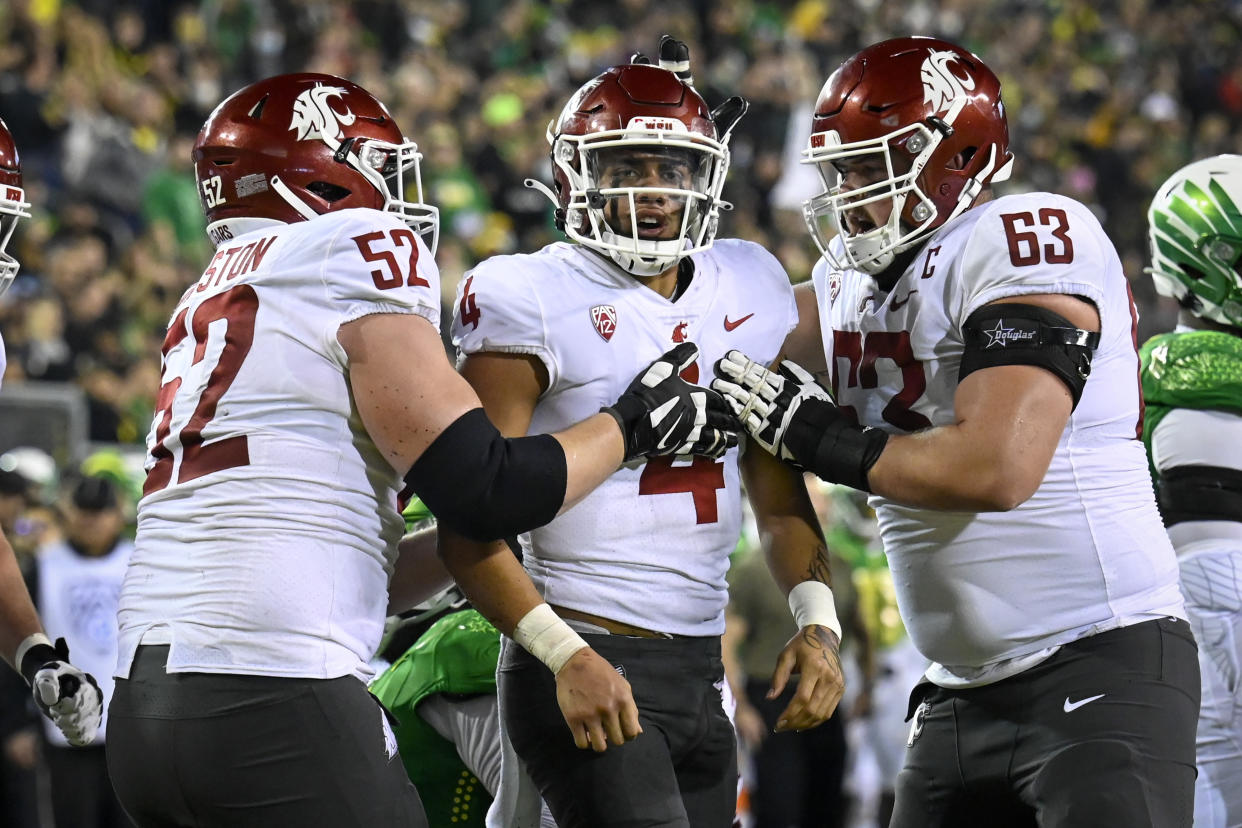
[(638, 567), (303, 376), (984, 387)]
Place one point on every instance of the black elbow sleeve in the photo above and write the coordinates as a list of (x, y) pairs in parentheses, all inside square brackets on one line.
[(487, 487)]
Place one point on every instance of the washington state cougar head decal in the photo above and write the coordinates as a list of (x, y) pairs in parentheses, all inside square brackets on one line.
[(941, 86), (314, 117)]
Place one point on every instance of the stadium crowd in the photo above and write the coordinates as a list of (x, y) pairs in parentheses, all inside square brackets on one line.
[(104, 98)]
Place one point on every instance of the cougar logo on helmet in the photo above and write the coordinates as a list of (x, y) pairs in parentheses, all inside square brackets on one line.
[(314, 117), (927, 115), (941, 86), (293, 147)]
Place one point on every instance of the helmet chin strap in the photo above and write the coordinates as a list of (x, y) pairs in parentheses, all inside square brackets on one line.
[(652, 259)]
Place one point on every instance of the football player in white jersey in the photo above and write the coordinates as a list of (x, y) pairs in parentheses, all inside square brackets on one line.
[(303, 375), (1192, 382), (984, 376), (638, 567), (70, 698)]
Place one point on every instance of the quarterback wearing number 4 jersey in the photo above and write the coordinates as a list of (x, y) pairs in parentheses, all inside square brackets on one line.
[(637, 569), (592, 326), (984, 387)]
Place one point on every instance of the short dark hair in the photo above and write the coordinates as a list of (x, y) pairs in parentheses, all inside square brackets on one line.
[(94, 494)]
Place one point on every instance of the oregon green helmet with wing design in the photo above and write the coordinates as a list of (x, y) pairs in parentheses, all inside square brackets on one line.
[(1195, 230)]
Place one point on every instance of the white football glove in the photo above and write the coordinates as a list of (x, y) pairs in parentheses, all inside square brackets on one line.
[(660, 413), (793, 417), (765, 401), (70, 698)]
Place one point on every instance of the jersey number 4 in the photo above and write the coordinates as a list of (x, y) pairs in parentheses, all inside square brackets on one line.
[(226, 321), (701, 477)]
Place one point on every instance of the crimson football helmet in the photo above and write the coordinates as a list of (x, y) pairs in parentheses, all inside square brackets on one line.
[(648, 109), (13, 204), (930, 113), (292, 147)]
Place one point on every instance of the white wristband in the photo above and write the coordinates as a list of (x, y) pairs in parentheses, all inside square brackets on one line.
[(545, 636), (32, 640), (811, 602)]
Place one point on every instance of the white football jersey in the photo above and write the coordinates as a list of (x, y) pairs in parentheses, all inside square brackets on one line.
[(650, 546), (1201, 437), (269, 519), (1087, 551)]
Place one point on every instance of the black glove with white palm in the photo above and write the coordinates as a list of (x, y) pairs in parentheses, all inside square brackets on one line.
[(793, 417), (661, 413), (66, 695)]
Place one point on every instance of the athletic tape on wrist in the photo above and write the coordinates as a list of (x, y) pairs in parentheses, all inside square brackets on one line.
[(547, 637), (811, 602), (33, 640)]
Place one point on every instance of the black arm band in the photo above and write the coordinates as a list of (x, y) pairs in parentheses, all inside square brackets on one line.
[(485, 486), (1011, 333), (1199, 493)]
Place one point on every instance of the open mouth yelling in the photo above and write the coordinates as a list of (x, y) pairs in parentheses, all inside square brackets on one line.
[(653, 224)]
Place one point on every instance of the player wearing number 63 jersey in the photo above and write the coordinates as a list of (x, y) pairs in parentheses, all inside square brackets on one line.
[(984, 387), (303, 376), (638, 567)]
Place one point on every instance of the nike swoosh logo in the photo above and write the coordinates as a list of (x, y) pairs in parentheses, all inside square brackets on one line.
[(731, 325), (898, 305), (1070, 706)]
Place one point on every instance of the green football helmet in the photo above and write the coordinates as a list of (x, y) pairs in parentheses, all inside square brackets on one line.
[(1195, 230)]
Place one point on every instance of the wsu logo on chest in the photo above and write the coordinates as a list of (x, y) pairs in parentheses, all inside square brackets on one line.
[(314, 117), (604, 318)]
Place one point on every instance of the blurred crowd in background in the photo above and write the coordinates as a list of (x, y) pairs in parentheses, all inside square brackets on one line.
[(104, 99)]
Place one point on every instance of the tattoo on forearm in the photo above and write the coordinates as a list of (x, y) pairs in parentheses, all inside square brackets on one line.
[(819, 569)]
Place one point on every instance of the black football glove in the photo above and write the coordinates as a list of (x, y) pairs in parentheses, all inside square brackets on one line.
[(70, 698), (660, 413), (791, 415)]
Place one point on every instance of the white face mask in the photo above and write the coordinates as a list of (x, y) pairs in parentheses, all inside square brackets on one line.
[(645, 196)]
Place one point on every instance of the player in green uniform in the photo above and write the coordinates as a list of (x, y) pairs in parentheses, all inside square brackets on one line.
[(455, 659), (442, 690), (1192, 384)]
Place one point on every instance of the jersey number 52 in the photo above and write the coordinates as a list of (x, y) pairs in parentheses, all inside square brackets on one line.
[(220, 329)]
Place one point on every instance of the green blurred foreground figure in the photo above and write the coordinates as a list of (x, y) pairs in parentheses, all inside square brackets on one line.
[(1192, 383), (454, 660)]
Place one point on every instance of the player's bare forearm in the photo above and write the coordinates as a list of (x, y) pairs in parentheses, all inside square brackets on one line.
[(18, 619), (594, 450), (418, 573), (788, 527), (993, 458), (491, 577)]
